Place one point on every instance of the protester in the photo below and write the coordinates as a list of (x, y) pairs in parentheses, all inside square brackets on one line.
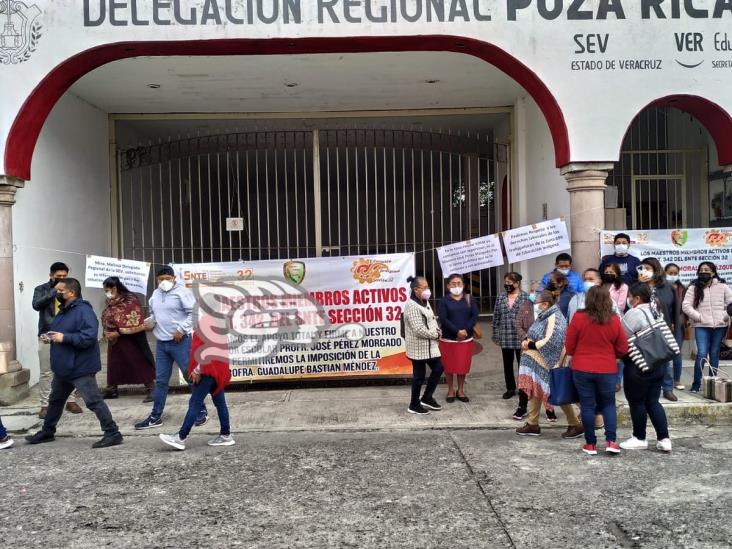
[(129, 358), (75, 361), (673, 271), (458, 314), (171, 310), (595, 340), (45, 302), (705, 305), (210, 378), (664, 296), (5, 440), (421, 334), (613, 281), (590, 278), (542, 350), (563, 265), (562, 292), (508, 304), (628, 263), (643, 390)]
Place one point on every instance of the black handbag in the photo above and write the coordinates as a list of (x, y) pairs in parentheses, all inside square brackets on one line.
[(652, 347)]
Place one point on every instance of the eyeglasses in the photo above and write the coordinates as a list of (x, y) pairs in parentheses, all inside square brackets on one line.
[(642, 269)]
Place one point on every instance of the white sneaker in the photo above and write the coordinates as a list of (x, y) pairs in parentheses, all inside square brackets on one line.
[(679, 386), (222, 440), (634, 444), (7, 442), (174, 440), (664, 445)]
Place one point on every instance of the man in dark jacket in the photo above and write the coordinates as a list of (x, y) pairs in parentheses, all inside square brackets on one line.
[(75, 362), (45, 302)]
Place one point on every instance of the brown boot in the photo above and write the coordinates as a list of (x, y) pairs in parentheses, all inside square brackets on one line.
[(73, 407), (43, 412), (573, 431), (529, 430)]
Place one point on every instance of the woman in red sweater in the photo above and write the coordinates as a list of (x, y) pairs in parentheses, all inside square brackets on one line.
[(595, 340)]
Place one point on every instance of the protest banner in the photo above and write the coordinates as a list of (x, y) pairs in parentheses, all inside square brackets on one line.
[(133, 274), (540, 239), (331, 317), (685, 247), (470, 255)]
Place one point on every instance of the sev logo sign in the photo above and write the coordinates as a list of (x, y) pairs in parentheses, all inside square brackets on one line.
[(21, 31)]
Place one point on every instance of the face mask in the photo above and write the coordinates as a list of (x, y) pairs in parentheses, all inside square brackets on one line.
[(426, 294), (456, 290), (532, 297), (109, 295), (621, 248), (166, 285), (705, 277), (609, 278), (589, 284), (565, 272), (672, 278), (61, 299), (628, 303), (537, 311), (508, 288)]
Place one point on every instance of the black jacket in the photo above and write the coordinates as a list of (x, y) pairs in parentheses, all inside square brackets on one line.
[(43, 302), (670, 307), (78, 355)]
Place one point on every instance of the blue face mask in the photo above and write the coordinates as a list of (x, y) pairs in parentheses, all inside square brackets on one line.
[(588, 285), (532, 297)]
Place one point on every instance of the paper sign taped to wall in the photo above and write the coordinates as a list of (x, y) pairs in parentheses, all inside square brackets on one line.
[(545, 238), (470, 255), (133, 274)]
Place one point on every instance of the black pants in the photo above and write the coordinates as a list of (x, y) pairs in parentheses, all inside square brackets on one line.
[(419, 369), (643, 394), (508, 375), (89, 390)]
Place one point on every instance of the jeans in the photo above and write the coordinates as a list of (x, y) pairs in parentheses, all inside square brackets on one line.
[(596, 392), (419, 369), (87, 387), (708, 342), (508, 375), (198, 394), (668, 378), (44, 381), (643, 393), (3, 432), (619, 377), (166, 353)]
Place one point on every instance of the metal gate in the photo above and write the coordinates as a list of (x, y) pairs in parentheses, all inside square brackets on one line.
[(308, 194)]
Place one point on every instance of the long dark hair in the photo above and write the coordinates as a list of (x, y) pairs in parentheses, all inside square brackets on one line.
[(598, 305), (618, 274), (699, 286), (659, 275), (115, 282)]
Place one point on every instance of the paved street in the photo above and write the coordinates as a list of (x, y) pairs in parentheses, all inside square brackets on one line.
[(419, 488)]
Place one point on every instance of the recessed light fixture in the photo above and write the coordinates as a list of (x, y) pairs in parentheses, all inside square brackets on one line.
[(291, 84), (153, 86), (432, 81)]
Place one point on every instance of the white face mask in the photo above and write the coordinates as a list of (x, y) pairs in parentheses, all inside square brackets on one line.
[(565, 272), (109, 295), (165, 285), (672, 278), (621, 249), (426, 294), (537, 311), (456, 290)]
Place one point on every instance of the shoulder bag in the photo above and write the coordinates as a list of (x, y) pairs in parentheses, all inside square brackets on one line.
[(653, 346), (477, 332)]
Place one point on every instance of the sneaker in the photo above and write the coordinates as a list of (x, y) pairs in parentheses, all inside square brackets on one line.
[(519, 414), (6, 442), (148, 423), (40, 437), (201, 420), (573, 431), (529, 430), (590, 449), (222, 440), (418, 410), (173, 440), (612, 447), (431, 403), (634, 444), (108, 441), (694, 391), (508, 395), (551, 416), (669, 395), (679, 387), (664, 445)]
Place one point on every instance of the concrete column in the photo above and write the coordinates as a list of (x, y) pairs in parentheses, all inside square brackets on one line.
[(586, 186), (13, 378)]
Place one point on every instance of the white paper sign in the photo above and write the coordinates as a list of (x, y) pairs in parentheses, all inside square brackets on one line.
[(545, 238), (234, 224), (133, 274), (470, 255)]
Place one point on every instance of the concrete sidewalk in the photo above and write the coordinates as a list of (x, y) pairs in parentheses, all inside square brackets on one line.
[(351, 408)]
